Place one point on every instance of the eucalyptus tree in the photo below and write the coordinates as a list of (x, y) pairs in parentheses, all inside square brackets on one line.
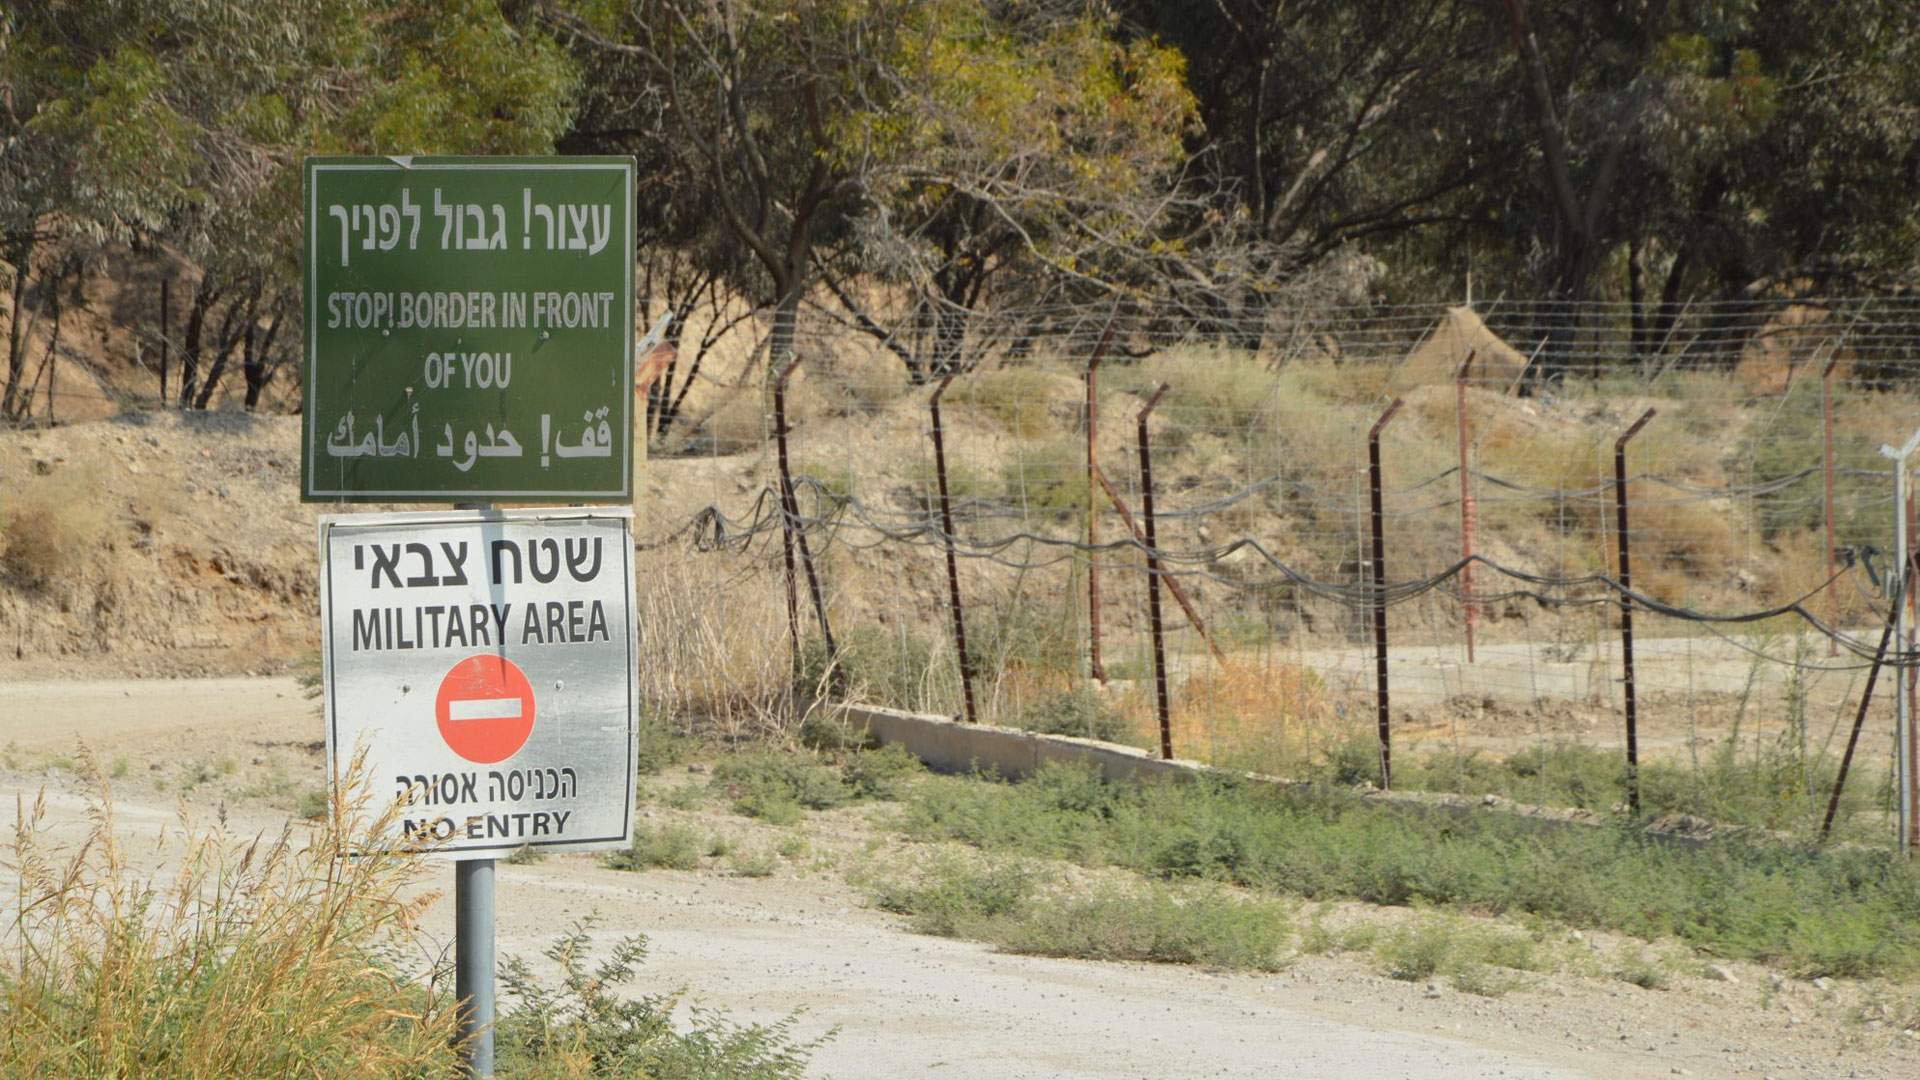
[(1330, 128), (91, 150), (1726, 149), (889, 148), (181, 123)]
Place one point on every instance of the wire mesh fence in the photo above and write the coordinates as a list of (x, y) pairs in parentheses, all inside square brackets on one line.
[(1758, 517)]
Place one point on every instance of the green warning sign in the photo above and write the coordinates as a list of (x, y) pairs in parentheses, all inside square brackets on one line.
[(469, 329)]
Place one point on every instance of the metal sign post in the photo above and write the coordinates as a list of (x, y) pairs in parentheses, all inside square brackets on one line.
[(485, 664), (473, 961), (1903, 764), (470, 338), (470, 329)]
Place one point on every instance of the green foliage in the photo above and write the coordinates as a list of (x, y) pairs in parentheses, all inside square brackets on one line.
[(1479, 960), (260, 958), (777, 787), (1230, 391), (668, 847), (1016, 396), (1773, 784), (1790, 442), (1002, 901), (1049, 477), (1028, 634), (899, 670), (1157, 923), (312, 806), (659, 743), (954, 897), (1642, 971), (1813, 911), (1416, 953), (885, 773), (585, 1027), (965, 484), (1080, 712), (827, 733)]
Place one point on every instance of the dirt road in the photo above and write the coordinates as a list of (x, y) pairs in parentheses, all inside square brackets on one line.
[(908, 1006)]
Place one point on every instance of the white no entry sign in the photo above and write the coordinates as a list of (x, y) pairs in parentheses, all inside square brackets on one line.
[(484, 662)]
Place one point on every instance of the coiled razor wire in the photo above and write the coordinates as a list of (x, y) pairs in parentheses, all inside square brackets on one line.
[(841, 518)]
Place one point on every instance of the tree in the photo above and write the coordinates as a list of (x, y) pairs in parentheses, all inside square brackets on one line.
[(1041, 149), (1328, 127), (90, 150), (760, 100), (926, 144), (1736, 150), (182, 123)]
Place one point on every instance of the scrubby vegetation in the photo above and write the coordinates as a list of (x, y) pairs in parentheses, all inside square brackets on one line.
[(1839, 912), (276, 957)]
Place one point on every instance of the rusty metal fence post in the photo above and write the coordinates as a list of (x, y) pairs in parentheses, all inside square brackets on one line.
[(1153, 579), (1866, 695), (1377, 519), (1626, 605), (1468, 610), (786, 522), (1094, 666), (796, 536), (1826, 472), (166, 337), (947, 537)]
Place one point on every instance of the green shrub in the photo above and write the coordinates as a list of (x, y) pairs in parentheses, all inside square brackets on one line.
[(1814, 911), (1785, 443), (901, 671), (1080, 712), (659, 744), (262, 958), (1642, 971), (1027, 635), (880, 774), (586, 1028), (776, 787), (1418, 952), (956, 898), (670, 847), (827, 733), (1156, 923)]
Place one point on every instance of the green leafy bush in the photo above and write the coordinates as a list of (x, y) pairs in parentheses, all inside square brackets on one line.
[(1079, 712), (585, 1028)]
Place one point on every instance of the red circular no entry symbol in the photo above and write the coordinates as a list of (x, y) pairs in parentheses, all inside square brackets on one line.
[(485, 709)]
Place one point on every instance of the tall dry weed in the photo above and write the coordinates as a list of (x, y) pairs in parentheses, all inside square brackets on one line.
[(260, 957), (1256, 717), (713, 641), (48, 528), (1023, 397)]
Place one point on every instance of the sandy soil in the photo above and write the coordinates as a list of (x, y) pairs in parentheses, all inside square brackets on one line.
[(907, 1005)]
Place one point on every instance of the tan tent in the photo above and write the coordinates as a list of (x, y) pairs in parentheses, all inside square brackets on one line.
[(1496, 364)]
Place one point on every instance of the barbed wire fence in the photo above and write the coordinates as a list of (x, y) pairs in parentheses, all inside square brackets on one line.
[(1754, 552)]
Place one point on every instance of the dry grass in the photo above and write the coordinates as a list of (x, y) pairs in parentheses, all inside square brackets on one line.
[(713, 642), (1253, 717), (741, 422), (1798, 568), (260, 958), (1026, 398), (48, 527), (858, 383)]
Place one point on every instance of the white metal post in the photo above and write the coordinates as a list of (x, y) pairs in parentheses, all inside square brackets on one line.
[(473, 947), (1903, 770)]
